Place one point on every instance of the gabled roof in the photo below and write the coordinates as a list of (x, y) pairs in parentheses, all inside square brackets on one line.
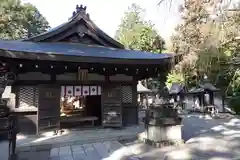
[(76, 52), (202, 87), (79, 24), (208, 86)]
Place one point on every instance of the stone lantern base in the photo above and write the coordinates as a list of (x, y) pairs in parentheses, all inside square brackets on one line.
[(162, 127), (163, 132), (161, 136)]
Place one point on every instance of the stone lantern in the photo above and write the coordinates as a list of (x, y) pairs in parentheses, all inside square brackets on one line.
[(163, 126)]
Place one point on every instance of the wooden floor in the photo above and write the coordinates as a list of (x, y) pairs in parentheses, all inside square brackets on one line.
[(93, 151)]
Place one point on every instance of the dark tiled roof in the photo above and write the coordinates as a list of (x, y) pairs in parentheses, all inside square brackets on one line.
[(196, 90), (54, 29), (176, 88), (72, 49), (203, 87), (208, 86)]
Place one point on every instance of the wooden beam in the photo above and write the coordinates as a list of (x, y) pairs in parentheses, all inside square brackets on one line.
[(62, 35), (96, 38), (67, 82)]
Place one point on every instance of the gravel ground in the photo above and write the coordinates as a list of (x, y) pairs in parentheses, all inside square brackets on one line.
[(205, 138)]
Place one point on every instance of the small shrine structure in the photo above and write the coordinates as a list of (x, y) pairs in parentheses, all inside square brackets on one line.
[(177, 92), (203, 94)]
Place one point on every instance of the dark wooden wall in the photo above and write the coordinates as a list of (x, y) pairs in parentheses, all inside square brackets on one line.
[(129, 104), (123, 101), (28, 116)]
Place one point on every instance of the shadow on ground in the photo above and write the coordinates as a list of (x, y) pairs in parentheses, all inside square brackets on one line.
[(205, 137)]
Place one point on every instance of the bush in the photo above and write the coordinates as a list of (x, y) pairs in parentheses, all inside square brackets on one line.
[(174, 78), (234, 103)]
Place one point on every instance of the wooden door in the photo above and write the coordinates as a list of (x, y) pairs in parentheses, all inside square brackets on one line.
[(111, 106), (49, 108)]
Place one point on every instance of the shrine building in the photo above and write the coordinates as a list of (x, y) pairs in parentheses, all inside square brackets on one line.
[(76, 75)]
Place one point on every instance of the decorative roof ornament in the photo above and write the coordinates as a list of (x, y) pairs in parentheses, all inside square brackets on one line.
[(80, 10)]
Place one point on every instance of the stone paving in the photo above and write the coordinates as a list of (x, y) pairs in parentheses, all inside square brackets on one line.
[(3, 150), (70, 137), (110, 150), (94, 151), (29, 147), (34, 155)]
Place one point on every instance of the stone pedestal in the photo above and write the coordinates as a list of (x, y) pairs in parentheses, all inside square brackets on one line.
[(163, 127), (164, 133)]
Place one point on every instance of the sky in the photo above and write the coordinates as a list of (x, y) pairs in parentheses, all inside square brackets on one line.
[(107, 14)]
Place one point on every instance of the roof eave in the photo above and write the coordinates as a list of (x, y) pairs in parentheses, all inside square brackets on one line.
[(84, 59), (103, 34), (54, 31)]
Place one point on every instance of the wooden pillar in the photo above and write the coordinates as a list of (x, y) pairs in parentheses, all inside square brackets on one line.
[(211, 98), (107, 79), (135, 97), (201, 99), (53, 78), (223, 103), (175, 97)]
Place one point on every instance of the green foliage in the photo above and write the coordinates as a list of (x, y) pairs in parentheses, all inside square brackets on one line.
[(148, 40), (135, 33), (20, 20), (174, 78), (34, 22), (208, 45), (234, 103), (234, 85)]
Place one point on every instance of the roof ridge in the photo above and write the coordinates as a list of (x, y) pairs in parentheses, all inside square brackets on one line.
[(81, 11)]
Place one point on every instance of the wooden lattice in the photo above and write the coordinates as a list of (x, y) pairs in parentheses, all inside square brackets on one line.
[(28, 97), (126, 94)]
